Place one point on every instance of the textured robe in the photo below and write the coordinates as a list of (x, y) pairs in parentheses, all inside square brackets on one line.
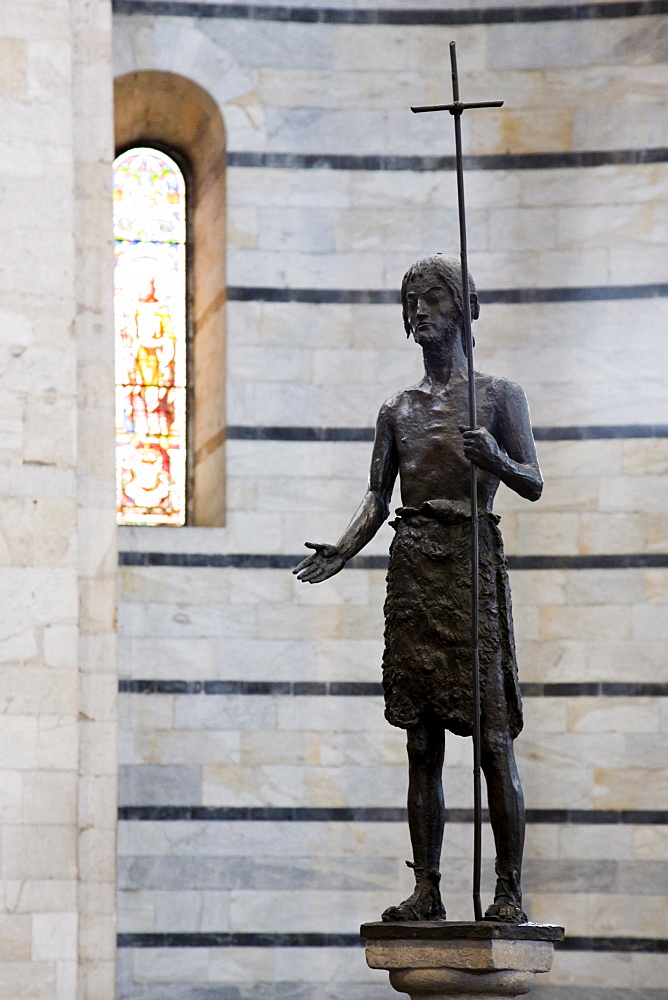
[(427, 664)]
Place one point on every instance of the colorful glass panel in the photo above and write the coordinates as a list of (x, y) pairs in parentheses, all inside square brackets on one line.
[(150, 317)]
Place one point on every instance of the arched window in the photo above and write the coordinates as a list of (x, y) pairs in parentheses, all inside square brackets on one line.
[(163, 111), (150, 320)]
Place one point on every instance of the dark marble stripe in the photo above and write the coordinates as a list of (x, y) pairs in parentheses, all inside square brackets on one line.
[(269, 814), (238, 940), (319, 296), (241, 560), (314, 940), (219, 560), (538, 993), (294, 688), (126, 686), (237, 432), (618, 689), (490, 296), (597, 432), (642, 944), (599, 817), (408, 16), (601, 432), (638, 560), (377, 814), (637, 689), (587, 293), (367, 689), (429, 164), (235, 560)]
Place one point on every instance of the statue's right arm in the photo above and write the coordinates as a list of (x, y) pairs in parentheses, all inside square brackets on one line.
[(371, 513), (375, 506)]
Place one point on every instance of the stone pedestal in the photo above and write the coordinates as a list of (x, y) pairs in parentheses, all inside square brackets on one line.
[(435, 961)]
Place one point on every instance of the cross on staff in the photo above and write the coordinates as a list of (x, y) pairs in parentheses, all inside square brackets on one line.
[(456, 109)]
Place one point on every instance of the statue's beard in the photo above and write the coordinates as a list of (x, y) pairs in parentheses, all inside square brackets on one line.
[(444, 338)]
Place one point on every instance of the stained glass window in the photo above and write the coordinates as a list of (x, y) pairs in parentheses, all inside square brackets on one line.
[(150, 318)]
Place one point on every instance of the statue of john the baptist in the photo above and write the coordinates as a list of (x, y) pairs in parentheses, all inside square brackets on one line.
[(427, 665)]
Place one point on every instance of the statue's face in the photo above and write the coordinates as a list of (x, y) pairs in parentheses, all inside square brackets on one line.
[(432, 312)]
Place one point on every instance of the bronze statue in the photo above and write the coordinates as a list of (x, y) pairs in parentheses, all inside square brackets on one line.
[(427, 664)]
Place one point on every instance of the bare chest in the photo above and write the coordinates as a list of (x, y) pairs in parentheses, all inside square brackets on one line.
[(429, 424)]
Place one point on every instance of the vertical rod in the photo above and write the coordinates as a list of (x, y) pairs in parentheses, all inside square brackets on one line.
[(473, 423)]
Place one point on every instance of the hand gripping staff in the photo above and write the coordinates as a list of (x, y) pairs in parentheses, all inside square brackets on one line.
[(456, 109)]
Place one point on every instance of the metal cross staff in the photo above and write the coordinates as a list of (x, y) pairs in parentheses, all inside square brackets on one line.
[(456, 109)]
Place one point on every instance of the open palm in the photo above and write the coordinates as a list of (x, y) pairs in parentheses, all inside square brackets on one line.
[(326, 561)]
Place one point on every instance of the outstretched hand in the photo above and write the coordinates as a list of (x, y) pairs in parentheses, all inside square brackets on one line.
[(326, 561), (481, 448)]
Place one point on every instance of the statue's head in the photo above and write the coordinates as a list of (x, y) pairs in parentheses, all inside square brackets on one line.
[(439, 269)]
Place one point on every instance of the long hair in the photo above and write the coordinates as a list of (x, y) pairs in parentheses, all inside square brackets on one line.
[(444, 270)]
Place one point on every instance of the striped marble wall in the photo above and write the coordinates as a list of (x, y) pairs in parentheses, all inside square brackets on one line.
[(262, 793)]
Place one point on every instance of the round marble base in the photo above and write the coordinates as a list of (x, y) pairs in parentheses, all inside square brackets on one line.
[(453, 984), (453, 961)]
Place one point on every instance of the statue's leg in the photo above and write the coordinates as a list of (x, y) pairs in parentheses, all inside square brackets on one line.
[(425, 745), (426, 818), (506, 805)]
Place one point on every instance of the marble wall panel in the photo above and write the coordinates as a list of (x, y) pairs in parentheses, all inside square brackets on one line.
[(591, 516), (167, 747), (591, 45), (567, 660), (592, 625), (235, 909), (581, 378), (160, 784), (182, 965), (500, 267), (175, 584), (562, 369), (525, 332), (225, 57), (321, 89), (225, 712), (584, 736), (650, 843), (342, 840), (190, 620), (551, 189), (588, 402)]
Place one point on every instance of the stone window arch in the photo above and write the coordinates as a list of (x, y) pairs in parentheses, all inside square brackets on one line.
[(170, 112)]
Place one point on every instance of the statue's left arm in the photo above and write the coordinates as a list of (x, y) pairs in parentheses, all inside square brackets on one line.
[(511, 455)]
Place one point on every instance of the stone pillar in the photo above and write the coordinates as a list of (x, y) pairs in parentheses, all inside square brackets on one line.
[(58, 683), (435, 961), (97, 549)]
